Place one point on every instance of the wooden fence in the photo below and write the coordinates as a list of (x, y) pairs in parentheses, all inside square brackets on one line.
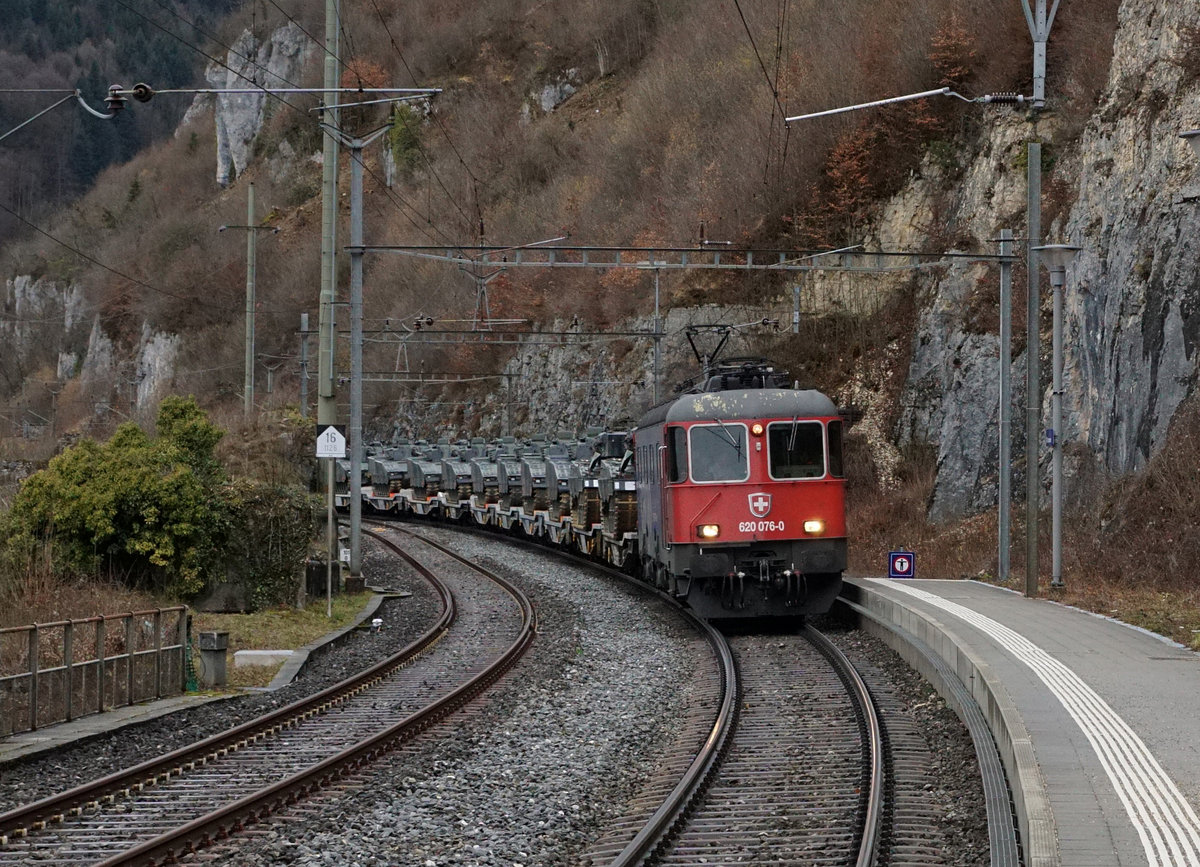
[(53, 672)]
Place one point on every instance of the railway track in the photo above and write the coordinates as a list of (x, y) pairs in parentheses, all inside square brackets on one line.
[(792, 773), (782, 761), (177, 803)]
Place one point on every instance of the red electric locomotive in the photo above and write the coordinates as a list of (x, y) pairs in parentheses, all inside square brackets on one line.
[(741, 495)]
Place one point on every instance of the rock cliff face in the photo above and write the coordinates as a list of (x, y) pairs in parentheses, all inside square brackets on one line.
[(249, 64), (1130, 311), (1132, 323), (1131, 320)]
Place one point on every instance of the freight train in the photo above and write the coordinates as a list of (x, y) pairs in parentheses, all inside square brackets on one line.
[(730, 496)]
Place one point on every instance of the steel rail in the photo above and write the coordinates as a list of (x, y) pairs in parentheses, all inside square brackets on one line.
[(668, 818), (674, 810), (36, 816), (873, 734), (237, 815)]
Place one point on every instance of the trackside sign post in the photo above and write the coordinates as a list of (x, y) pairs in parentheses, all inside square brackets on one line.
[(331, 446), (331, 443), (902, 564)]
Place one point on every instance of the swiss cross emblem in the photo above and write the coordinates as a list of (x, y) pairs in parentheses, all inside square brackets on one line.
[(760, 504)]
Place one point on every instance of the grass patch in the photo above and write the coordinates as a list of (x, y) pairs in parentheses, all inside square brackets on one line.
[(280, 628)]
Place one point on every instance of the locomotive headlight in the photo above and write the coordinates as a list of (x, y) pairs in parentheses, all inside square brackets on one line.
[(814, 526), (709, 531), (756, 429)]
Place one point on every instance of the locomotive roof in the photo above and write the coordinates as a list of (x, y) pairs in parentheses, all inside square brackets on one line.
[(750, 403)]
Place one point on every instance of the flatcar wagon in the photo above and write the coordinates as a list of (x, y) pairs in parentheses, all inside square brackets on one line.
[(730, 496)]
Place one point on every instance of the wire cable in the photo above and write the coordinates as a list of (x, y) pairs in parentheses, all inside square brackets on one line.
[(761, 65), (111, 270), (453, 147), (398, 201)]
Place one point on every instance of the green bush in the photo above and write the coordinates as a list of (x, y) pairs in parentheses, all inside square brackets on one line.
[(405, 138), (147, 512), (271, 526)]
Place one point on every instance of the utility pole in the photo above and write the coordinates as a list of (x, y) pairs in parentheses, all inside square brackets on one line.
[(251, 268), (1039, 30), (1004, 505), (326, 401), (357, 250), (656, 264), (271, 368), (303, 365), (657, 339)]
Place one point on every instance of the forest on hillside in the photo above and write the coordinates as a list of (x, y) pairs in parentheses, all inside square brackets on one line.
[(667, 123), (50, 47)]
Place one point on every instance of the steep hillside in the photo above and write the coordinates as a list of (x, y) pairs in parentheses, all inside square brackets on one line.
[(49, 48), (650, 123)]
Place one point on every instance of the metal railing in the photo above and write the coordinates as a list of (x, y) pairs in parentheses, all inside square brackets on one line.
[(55, 672)]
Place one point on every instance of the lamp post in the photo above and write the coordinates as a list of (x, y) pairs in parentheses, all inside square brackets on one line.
[(1056, 258)]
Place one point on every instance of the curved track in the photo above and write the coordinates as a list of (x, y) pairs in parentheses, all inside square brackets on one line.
[(180, 802), (781, 760), (799, 781)]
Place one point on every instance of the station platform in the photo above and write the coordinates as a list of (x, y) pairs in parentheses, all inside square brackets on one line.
[(1097, 722)]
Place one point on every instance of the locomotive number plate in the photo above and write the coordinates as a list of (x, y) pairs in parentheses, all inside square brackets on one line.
[(761, 527)]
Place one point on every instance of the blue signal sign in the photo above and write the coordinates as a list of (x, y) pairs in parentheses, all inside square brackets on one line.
[(902, 564)]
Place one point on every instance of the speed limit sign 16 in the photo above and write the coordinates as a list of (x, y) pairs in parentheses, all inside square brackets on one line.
[(902, 564)]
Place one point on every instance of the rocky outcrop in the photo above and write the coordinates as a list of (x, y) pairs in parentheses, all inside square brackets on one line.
[(1132, 305), (551, 95), (1130, 321), (250, 64)]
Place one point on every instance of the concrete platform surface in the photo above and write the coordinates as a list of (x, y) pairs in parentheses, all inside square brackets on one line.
[(27, 744), (243, 658), (1098, 722)]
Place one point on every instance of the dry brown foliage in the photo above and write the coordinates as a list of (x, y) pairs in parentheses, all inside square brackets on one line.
[(673, 124), (40, 596)]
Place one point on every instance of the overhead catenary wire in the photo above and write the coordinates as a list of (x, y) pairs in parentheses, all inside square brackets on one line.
[(396, 199), (761, 64), (204, 53), (352, 69), (440, 125), (110, 269)]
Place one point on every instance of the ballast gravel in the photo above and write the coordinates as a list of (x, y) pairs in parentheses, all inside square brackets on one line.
[(405, 619), (531, 774)]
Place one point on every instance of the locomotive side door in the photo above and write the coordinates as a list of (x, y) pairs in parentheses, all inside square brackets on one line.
[(674, 471)]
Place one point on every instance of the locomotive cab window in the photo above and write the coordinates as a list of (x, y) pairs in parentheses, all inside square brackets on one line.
[(796, 449), (677, 454), (719, 452)]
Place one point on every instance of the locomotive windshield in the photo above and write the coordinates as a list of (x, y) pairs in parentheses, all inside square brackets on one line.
[(719, 453), (796, 449)]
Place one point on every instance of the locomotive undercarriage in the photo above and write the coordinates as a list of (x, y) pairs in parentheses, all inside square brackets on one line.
[(799, 577)]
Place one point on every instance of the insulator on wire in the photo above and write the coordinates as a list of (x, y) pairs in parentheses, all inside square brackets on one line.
[(115, 101), (1005, 98)]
